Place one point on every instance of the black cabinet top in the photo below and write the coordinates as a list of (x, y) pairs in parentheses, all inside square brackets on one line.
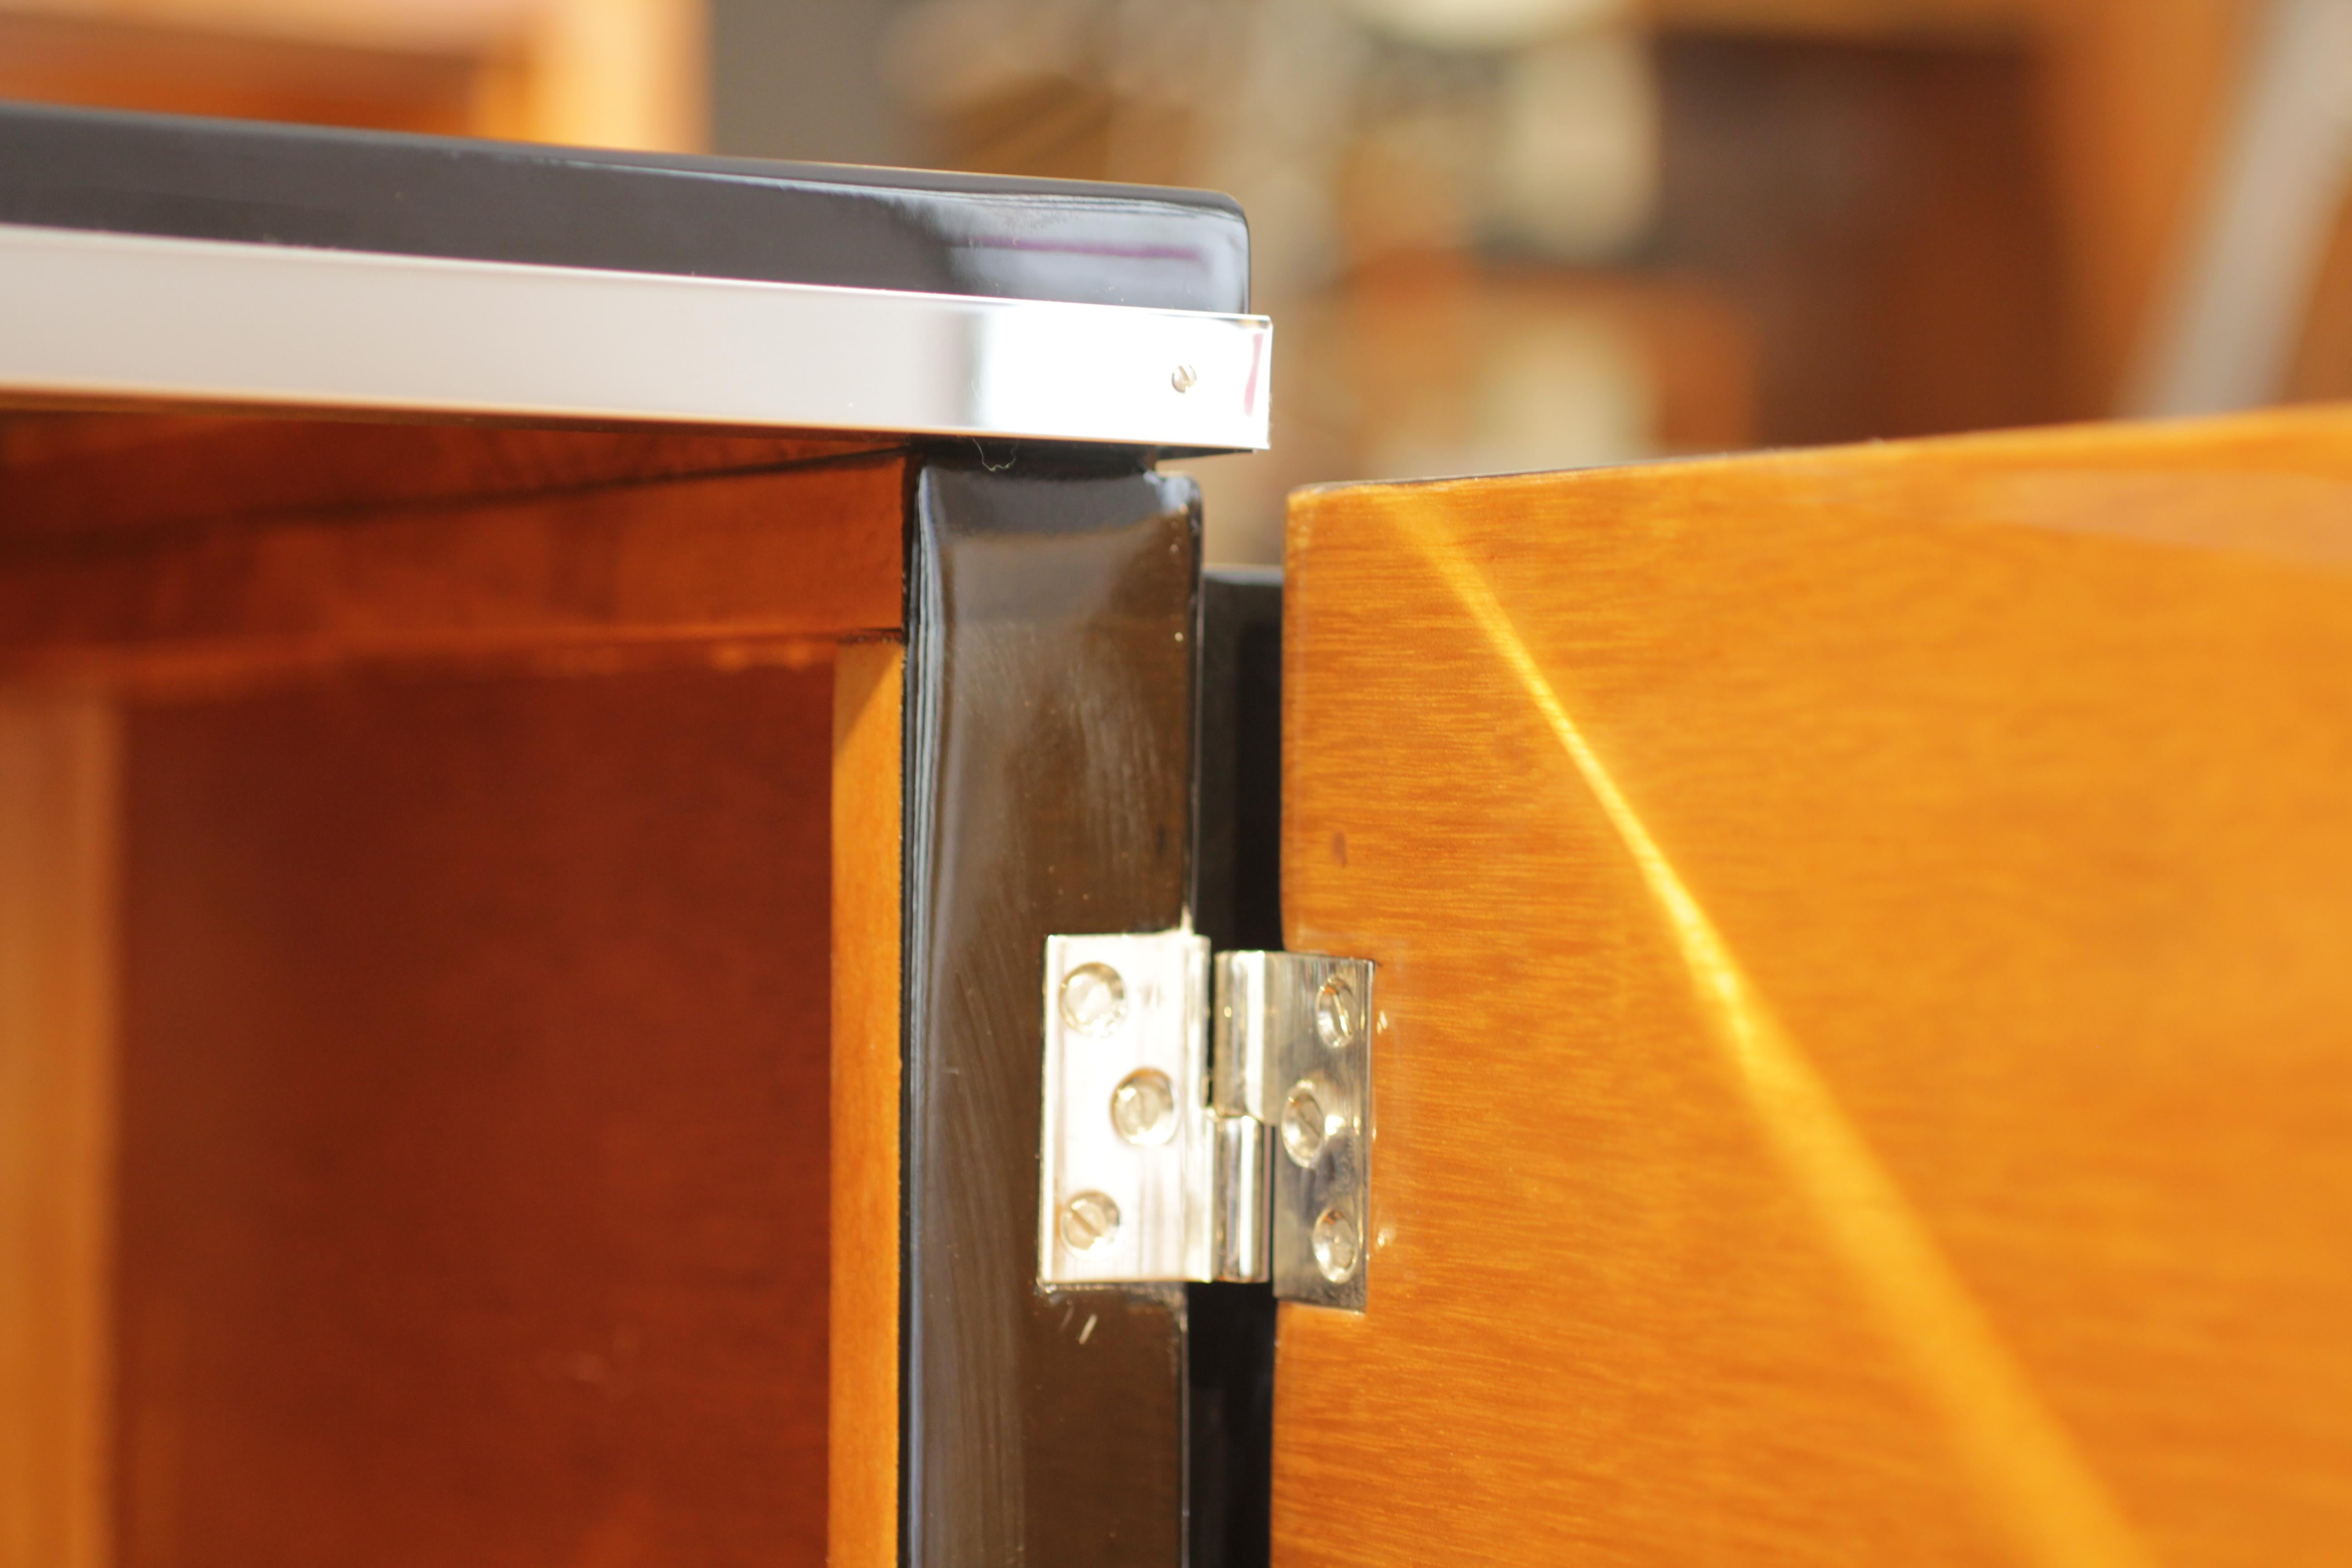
[(564, 206)]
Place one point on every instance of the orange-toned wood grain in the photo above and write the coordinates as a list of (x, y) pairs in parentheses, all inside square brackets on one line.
[(862, 1449), (472, 1196), (57, 795), (1864, 1071), (801, 552), (74, 473)]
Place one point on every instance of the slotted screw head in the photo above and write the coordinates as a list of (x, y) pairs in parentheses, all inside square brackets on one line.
[(1089, 1221), (1094, 999), (1338, 1246), (1339, 1011), (1183, 378), (1306, 1123), (1143, 1107)]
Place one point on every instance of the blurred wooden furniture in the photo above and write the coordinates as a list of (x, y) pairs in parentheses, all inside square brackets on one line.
[(601, 73), (2132, 101)]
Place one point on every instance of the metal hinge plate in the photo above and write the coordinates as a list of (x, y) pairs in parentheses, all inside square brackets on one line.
[(1293, 1053), (1172, 1149)]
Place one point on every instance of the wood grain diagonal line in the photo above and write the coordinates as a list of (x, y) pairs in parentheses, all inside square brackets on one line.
[(2019, 1457)]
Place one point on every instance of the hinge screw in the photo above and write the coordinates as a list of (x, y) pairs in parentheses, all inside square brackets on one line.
[(1337, 1245), (1094, 999), (1339, 1013), (1143, 1107), (1304, 1125), (1089, 1221)]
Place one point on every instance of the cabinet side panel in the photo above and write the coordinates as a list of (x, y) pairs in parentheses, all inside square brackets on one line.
[(57, 797), (1862, 1066), (862, 1506), (475, 1179)]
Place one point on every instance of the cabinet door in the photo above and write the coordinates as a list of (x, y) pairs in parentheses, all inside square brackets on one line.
[(1864, 1062)]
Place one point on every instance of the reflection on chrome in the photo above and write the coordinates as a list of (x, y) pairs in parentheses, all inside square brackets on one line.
[(113, 316)]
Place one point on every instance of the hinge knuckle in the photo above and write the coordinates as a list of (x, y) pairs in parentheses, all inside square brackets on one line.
[(1237, 1199)]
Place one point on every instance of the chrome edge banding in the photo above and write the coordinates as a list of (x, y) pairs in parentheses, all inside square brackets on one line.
[(96, 316)]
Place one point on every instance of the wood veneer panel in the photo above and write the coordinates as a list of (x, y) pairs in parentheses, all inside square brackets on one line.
[(806, 551), (1864, 1072), (474, 1187), (867, 874), (76, 473), (56, 972)]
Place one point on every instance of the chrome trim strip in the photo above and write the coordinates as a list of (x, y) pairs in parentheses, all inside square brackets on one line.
[(104, 316)]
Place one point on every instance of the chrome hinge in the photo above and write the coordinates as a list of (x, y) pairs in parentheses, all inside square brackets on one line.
[(1173, 1149)]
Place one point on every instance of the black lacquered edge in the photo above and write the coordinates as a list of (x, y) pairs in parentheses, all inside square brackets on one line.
[(676, 216), (1229, 1373), (1049, 736)]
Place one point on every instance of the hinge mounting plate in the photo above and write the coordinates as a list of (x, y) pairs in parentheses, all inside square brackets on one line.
[(1292, 1051)]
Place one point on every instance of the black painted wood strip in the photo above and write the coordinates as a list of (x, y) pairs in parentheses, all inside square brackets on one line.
[(1050, 719)]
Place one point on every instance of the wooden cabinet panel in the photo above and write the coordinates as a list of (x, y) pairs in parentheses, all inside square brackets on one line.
[(804, 551), (1866, 1063), (862, 1530), (76, 474), (59, 751), (474, 1114), (429, 1142)]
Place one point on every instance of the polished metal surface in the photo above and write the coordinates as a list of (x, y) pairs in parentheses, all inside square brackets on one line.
[(1293, 1049), (1238, 1204), (1263, 1169), (1104, 1067), (89, 317)]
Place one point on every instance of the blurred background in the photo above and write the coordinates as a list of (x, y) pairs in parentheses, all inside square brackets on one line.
[(1495, 234)]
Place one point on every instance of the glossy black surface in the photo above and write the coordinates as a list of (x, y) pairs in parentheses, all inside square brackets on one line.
[(562, 206), (1229, 1371), (1050, 714), (1238, 900)]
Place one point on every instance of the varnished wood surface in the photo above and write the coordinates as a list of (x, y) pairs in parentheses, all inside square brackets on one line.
[(57, 753), (78, 473), (862, 1510), (474, 1122), (810, 552), (1866, 1063)]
